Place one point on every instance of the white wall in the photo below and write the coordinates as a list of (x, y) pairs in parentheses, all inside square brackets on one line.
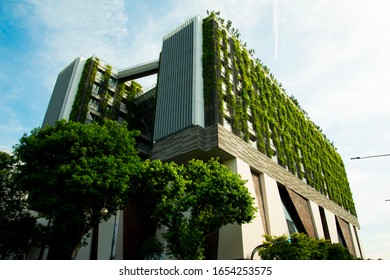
[(331, 221), (274, 207), (355, 239), (316, 217), (72, 88), (106, 231), (236, 242)]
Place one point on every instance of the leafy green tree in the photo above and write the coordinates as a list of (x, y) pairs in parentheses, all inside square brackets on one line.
[(301, 247), (70, 171), (193, 201), (155, 183), (17, 226), (214, 197)]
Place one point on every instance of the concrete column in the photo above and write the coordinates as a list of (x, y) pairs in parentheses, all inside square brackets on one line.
[(331, 221), (316, 216), (274, 207), (249, 235)]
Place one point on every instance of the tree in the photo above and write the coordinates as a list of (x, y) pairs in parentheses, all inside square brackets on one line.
[(155, 183), (301, 247), (70, 171), (214, 197), (17, 226), (193, 201)]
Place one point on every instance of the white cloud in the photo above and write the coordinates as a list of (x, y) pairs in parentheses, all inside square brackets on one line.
[(66, 29), (336, 58)]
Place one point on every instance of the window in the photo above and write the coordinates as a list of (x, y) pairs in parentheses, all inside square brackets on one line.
[(290, 223), (231, 77), (112, 82), (227, 124), (223, 71), (94, 117), (229, 62), (226, 109), (99, 75), (111, 93), (94, 103), (95, 88), (293, 220), (223, 86), (249, 111)]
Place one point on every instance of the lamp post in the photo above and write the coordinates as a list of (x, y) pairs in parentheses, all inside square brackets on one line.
[(104, 211)]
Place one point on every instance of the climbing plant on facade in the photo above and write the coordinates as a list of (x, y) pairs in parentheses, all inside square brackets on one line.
[(282, 129), (84, 91), (104, 95)]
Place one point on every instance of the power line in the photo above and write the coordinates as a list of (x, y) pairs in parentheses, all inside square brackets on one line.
[(384, 155)]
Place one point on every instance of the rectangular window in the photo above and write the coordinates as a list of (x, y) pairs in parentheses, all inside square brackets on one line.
[(112, 82), (223, 86), (95, 89), (223, 71), (227, 124), (94, 117), (99, 74), (94, 103)]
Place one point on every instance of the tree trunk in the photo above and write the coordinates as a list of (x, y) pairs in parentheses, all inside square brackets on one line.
[(66, 241), (211, 246), (94, 243), (138, 227)]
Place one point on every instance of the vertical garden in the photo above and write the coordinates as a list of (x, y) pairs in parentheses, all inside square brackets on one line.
[(241, 91), (109, 96)]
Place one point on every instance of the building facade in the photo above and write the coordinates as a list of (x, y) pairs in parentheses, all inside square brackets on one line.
[(213, 99)]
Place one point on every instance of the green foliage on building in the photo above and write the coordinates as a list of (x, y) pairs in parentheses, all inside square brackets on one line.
[(84, 91), (105, 96), (240, 90)]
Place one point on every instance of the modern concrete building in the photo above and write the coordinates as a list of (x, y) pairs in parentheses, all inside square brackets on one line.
[(213, 99)]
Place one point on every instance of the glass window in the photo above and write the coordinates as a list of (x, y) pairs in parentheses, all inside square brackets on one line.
[(290, 223)]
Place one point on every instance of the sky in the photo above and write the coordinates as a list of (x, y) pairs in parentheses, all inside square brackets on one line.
[(332, 56)]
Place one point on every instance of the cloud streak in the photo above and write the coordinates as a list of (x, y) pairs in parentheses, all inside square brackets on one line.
[(276, 27)]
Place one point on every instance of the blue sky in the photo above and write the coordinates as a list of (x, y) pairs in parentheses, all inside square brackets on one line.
[(333, 56)]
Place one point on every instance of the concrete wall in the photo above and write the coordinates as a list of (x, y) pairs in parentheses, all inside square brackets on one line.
[(106, 235), (64, 92), (238, 241), (276, 218), (238, 148), (332, 226), (315, 211)]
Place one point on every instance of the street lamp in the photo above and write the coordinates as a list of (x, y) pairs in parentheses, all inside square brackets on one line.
[(384, 155), (104, 211)]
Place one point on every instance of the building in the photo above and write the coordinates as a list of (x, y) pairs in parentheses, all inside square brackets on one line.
[(213, 99)]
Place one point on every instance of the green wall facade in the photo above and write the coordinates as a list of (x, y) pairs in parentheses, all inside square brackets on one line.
[(260, 111)]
